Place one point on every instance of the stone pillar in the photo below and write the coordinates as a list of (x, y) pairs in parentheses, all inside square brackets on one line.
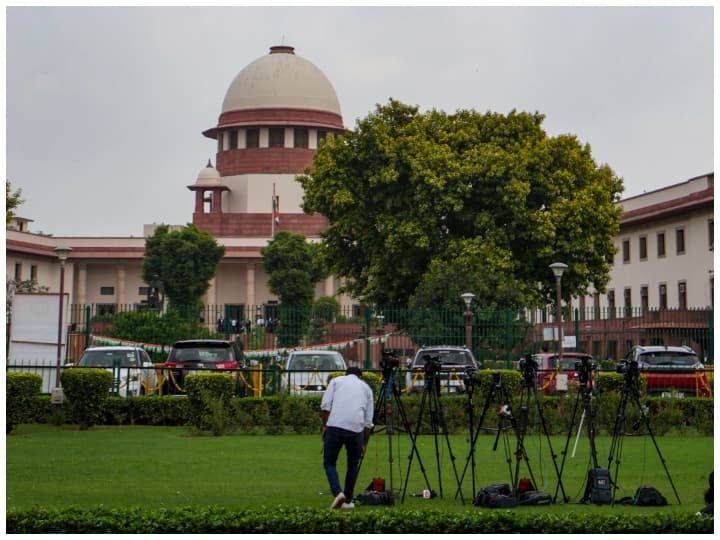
[(121, 299), (329, 286), (250, 286), (82, 284)]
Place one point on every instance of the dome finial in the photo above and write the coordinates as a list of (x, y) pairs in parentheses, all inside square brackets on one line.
[(209, 163)]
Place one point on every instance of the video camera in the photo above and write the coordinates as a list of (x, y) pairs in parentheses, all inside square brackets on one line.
[(432, 365), (583, 368), (390, 359), (629, 368), (528, 366)]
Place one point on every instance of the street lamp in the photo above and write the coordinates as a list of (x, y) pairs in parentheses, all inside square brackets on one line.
[(558, 269), (62, 254), (467, 298)]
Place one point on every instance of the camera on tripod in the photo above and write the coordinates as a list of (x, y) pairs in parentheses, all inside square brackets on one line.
[(468, 377), (528, 366), (629, 368), (583, 368), (390, 359), (432, 365)]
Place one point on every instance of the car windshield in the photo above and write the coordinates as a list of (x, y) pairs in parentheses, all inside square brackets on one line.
[(447, 358), (321, 362), (668, 358), (108, 358), (205, 355)]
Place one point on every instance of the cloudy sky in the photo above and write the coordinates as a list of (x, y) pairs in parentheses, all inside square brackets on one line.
[(105, 107)]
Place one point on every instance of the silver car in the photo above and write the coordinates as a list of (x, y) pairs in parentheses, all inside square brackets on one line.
[(307, 371), (132, 368)]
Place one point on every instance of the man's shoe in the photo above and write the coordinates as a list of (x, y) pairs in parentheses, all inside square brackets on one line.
[(338, 502), (348, 506)]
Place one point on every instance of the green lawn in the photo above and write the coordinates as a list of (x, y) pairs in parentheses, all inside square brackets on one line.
[(168, 466)]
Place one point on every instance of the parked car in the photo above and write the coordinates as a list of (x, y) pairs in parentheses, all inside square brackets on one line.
[(307, 371), (550, 366), (200, 356), (676, 370), (453, 362), (132, 368)]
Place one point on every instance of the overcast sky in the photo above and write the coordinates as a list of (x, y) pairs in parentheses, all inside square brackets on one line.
[(105, 107)]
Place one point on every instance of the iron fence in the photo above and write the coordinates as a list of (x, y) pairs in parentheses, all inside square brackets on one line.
[(495, 335), (272, 379)]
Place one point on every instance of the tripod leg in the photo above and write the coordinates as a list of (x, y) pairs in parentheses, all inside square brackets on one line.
[(616, 443), (473, 440), (414, 451), (567, 442), (657, 448), (547, 437)]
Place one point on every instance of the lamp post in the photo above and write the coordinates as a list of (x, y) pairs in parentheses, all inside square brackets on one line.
[(467, 298), (62, 254), (558, 269)]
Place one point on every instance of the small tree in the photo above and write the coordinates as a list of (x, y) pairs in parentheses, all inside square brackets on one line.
[(293, 266), (12, 201), (184, 260)]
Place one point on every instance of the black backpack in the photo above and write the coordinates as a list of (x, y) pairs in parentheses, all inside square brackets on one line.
[(649, 496), (496, 496), (597, 489)]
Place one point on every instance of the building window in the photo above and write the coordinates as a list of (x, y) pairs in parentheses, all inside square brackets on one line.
[(661, 244), (680, 241), (33, 272), (611, 304), (301, 138), (277, 137), (644, 301), (627, 300), (105, 309), (711, 234), (321, 134), (233, 139), (18, 272), (662, 293), (682, 295), (252, 138), (626, 251), (596, 305), (143, 291), (643, 248), (220, 142), (107, 291)]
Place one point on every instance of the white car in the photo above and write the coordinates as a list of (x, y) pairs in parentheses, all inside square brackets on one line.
[(132, 368), (307, 371)]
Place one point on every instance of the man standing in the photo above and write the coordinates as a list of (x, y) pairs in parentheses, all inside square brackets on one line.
[(347, 412)]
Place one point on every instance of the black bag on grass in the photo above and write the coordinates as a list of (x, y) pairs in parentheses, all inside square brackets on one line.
[(495, 496)]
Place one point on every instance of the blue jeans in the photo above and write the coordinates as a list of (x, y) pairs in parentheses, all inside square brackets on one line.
[(335, 439)]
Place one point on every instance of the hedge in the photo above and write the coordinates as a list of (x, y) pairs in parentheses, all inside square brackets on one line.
[(282, 520), (21, 389)]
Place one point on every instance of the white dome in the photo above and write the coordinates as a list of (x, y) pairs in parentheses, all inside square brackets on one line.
[(208, 175), (281, 79)]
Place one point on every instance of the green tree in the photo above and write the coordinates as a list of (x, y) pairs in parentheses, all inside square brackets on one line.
[(12, 201), (294, 268), (185, 260), (422, 206)]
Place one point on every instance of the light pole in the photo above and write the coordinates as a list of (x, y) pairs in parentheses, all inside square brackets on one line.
[(62, 253), (558, 269), (467, 298)]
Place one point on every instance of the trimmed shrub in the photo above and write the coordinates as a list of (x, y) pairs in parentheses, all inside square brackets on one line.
[(85, 390), (208, 396), (20, 391)]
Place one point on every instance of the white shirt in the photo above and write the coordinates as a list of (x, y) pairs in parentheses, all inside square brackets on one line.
[(349, 400)]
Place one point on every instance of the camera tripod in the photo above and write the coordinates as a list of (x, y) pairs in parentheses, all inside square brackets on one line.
[(387, 403), (631, 391), (583, 398), (430, 402)]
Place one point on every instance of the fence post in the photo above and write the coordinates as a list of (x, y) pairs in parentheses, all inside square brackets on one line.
[(87, 326), (577, 329), (367, 337), (508, 338)]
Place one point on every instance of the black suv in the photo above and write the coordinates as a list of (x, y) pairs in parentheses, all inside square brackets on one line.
[(201, 355), (452, 362)]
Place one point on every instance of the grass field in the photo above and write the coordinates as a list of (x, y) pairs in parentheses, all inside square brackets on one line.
[(122, 466)]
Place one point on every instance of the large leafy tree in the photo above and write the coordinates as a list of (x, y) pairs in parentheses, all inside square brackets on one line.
[(184, 260), (423, 206), (294, 268)]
